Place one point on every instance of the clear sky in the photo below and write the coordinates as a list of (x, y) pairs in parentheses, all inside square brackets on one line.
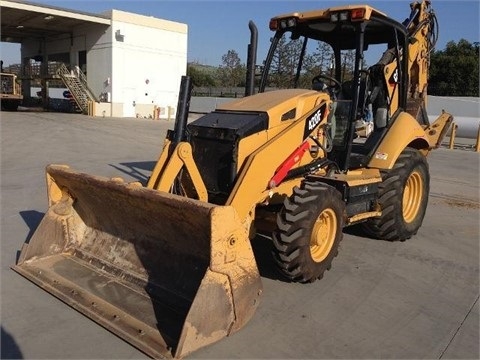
[(214, 27)]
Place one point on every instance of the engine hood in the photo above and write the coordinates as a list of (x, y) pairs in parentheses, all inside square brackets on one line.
[(280, 105)]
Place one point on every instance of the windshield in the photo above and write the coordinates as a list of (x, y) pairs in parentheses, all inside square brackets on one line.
[(296, 61)]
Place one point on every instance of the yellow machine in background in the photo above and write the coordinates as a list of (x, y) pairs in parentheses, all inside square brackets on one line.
[(168, 265), (10, 94)]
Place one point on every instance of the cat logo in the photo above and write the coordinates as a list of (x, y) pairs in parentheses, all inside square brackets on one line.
[(394, 78)]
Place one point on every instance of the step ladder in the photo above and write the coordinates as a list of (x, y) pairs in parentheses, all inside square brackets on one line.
[(76, 83)]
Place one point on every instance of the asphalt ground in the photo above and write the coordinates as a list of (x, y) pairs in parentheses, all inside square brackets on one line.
[(381, 300)]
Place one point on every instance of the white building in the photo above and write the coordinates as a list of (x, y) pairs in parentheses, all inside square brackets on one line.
[(133, 63)]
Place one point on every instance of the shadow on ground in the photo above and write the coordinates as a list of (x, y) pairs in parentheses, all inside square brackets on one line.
[(32, 218), (262, 249), (9, 348), (138, 170)]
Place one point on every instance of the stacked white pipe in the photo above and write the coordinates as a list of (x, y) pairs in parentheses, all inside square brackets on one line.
[(465, 111)]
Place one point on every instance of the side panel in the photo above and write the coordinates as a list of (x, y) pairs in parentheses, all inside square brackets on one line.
[(252, 182), (404, 130)]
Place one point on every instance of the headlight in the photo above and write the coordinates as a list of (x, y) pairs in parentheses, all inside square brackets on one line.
[(288, 23)]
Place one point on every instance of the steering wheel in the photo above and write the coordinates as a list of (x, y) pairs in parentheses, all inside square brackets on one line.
[(334, 88)]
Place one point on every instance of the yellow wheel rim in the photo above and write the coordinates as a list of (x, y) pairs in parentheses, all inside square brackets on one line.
[(323, 235), (412, 196)]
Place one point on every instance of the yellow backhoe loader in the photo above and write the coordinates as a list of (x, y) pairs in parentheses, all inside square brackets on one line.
[(10, 93), (168, 265)]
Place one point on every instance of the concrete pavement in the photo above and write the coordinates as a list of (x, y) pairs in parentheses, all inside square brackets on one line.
[(413, 299)]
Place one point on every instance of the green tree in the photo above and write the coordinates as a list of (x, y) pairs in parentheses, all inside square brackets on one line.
[(284, 63), (199, 77), (348, 64), (231, 72), (454, 70), (320, 61)]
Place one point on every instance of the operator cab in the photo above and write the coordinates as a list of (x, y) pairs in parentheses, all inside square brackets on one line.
[(352, 53)]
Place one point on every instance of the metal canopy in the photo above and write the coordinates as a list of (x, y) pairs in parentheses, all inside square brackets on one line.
[(21, 20)]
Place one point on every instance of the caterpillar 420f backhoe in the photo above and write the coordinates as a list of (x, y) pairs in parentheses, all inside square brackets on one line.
[(168, 265)]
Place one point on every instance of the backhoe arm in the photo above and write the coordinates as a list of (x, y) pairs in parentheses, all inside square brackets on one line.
[(422, 30)]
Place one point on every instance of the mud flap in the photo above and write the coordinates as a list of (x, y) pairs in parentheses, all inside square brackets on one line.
[(167, 274)]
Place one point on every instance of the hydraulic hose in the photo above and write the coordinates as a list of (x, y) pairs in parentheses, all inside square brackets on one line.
[(309, 168)]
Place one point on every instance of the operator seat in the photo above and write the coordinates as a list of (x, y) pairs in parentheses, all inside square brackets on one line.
[(377, 97), (347, 93)]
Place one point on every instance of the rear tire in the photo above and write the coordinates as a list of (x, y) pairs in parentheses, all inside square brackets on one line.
[(403, 198), (309, 231)]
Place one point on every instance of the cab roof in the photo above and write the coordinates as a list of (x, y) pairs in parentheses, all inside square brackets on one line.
[(325, 13), (317, 25)]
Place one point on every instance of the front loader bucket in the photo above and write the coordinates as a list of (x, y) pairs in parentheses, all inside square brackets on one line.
[(165, 273)]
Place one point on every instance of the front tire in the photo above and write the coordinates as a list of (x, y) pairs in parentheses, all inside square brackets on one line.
[(309, 231), (403, 198)]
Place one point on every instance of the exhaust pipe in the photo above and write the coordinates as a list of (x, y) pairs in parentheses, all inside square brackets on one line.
[(251, 59), (183, 107)]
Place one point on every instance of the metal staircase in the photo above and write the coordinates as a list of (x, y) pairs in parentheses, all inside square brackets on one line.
[(76, 83)]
